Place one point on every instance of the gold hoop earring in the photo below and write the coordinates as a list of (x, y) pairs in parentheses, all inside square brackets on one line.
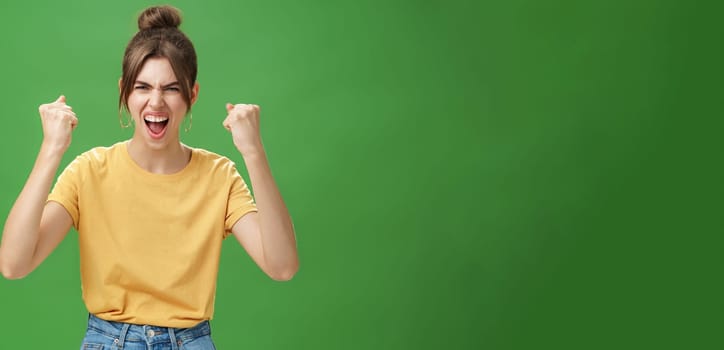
[(191, 123), (120, 120)]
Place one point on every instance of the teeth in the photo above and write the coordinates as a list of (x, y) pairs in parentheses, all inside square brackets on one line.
[(155, 119)]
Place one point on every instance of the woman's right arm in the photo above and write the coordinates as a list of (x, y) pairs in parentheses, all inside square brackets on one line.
[(33, 228)]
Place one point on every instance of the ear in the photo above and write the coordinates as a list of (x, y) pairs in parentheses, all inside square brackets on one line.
[(194, 93)]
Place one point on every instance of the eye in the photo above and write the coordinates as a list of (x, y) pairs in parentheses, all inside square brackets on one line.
[(140, 87), (173, 88)]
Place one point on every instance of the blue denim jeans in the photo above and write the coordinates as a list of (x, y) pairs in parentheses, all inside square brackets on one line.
[(109, 335)]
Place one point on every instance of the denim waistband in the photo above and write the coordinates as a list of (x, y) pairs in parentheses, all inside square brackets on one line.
[(122, 332)]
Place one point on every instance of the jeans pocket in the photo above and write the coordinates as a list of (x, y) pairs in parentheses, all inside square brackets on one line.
[(92, 346), (200, 343), (95, 340)]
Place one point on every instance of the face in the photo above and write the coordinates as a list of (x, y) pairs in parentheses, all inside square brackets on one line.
[(157, 104)]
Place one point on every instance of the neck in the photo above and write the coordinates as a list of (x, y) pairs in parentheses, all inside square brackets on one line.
[(166, 160)]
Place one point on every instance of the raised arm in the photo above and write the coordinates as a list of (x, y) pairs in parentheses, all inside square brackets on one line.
[(33, 228), (268, 235)]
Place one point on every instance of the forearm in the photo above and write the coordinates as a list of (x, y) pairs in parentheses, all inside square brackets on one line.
[(21, 231), (277, 232)]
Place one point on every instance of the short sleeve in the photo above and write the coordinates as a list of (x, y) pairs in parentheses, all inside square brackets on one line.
[(240, 200), (65, 191)]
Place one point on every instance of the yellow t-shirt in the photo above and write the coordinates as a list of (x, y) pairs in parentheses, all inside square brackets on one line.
[(150, 243)]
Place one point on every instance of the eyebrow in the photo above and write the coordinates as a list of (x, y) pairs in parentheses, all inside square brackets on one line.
[(138, 82)]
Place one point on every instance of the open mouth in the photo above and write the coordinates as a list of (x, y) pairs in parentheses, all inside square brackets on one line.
[(156, 125)]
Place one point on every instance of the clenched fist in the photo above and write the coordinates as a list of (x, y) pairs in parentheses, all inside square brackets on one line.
[(243, 123), (58, 121)]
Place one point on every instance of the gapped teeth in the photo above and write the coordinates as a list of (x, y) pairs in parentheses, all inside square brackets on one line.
[(155, 119)]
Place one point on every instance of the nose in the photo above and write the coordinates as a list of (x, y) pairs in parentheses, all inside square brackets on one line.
[(156, 99)]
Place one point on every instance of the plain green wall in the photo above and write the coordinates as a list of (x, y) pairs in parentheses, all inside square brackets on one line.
[(462, 174)]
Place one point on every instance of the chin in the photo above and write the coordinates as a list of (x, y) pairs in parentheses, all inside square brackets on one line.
[(156, 143)]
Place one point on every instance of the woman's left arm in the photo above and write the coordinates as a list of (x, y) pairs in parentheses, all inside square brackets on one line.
[(267, 235)]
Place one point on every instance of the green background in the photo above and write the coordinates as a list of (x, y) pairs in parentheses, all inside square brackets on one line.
[(461, 174)]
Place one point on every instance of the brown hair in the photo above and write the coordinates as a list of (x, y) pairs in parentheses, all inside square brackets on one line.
[(158, 36)]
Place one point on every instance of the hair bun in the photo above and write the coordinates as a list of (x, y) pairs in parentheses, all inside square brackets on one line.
[(159, 17)]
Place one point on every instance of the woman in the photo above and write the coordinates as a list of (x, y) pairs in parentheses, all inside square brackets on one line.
[(150, 212)]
